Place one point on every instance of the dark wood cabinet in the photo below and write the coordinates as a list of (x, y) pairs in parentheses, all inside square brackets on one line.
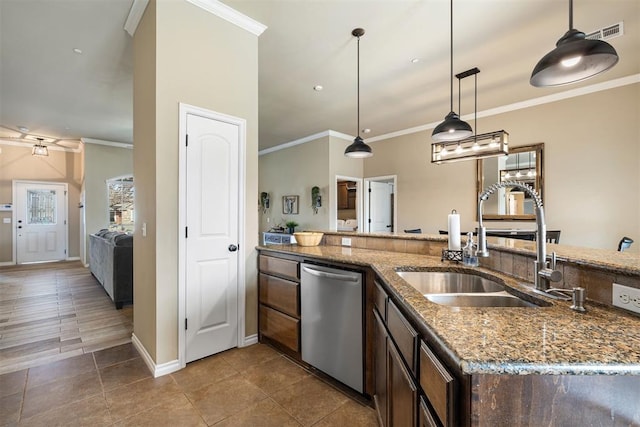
[(380, 363), (346, 195), (279, 303), (402, 393), (438, 386)]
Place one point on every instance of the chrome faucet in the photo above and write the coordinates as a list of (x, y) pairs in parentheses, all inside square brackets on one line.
[(544, 272)]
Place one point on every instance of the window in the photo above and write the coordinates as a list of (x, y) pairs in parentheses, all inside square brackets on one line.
[(121, 207)]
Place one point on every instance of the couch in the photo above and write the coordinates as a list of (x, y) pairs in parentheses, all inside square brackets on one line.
[(111, 263)]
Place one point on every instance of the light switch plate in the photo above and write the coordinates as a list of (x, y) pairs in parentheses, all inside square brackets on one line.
[(346, 241), (626, 297)]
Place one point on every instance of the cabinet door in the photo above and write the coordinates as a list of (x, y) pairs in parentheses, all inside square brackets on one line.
[(438, 385), (343, 196), (279, 267), (380, 345), (402, 392), (426, 419), (279, 294)]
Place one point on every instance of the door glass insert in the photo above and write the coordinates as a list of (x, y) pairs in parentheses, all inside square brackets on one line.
[(41, 207)]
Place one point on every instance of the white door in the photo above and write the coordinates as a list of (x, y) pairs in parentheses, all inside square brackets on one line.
[(40, 221), (380, 207), (211, 264)]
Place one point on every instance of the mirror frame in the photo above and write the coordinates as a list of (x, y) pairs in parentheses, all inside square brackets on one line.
[(480, 185)]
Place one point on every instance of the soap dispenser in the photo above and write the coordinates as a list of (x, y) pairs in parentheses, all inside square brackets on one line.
[(469, 257)]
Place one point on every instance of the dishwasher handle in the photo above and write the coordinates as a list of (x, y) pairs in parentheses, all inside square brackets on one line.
[(334, 276)]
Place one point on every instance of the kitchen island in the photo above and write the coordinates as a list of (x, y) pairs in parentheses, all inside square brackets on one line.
[(530, 366)]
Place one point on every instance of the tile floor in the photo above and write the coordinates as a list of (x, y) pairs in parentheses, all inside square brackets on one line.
[(252, 386), (66, 360)]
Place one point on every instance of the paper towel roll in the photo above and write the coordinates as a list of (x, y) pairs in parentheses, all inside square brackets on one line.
[(454, 231)]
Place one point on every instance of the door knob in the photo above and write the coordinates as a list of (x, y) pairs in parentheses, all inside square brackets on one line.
[(233, 248)]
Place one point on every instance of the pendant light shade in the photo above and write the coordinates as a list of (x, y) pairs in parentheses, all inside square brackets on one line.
[(40, 149), (358, 149), (574, 59), (452, 128)]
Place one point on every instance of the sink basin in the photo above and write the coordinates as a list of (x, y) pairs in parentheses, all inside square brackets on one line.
[(502, 299), (438, 282), (461, 289)]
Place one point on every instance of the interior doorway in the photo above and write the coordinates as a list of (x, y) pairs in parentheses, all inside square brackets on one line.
[(348, 204), (380, 207)]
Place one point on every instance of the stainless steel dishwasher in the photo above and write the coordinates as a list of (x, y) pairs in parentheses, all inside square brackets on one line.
[(331, 312)]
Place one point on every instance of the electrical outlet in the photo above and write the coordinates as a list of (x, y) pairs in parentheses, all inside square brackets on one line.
[(626, 297), (346, 241)]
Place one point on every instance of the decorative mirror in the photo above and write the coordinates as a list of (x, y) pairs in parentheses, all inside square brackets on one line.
[(524, 164)]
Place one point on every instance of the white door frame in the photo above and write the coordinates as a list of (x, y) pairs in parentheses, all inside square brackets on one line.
[(385, 178), (333, 217), (14, 234), (182, 220)]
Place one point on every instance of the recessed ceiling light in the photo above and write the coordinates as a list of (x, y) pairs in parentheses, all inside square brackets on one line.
[(23, 129), (318, 88), (415, 60), (366, 130), (78, 51)]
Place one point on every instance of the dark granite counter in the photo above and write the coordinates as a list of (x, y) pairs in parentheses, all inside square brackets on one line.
[(544, 340)]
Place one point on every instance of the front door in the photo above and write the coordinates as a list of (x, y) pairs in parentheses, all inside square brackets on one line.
[(212, 159), (380, 207), (40, 221)]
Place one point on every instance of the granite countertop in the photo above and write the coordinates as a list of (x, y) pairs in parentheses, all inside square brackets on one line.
[(500, 340)]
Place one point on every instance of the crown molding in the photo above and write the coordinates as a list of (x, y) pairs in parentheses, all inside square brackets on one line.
[(135, 15), (229, 14), (108, 143), (29, 145), (330, 133), (533, 102)]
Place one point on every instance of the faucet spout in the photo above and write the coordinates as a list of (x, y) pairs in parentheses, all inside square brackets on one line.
[(544, 274)]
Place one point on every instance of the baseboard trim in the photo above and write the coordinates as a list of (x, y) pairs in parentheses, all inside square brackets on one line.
[(5, 263), (250, 340), (156, 370), (73, 258)]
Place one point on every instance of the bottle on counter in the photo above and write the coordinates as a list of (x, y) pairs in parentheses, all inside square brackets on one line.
[(469, 257)]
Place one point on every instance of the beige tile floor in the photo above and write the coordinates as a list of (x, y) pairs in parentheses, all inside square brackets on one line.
[(63, 363), (252, 386)]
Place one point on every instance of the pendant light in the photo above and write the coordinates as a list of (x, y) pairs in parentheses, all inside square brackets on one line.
[(39, 149), (358, 149), (574, 59), (452, 128)]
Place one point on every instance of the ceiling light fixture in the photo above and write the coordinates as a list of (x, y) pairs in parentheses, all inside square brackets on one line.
[(78, 51), (39, 149), (318, 88), (452, 128), (574, 59), (358, 149), (489, 144), (23, 129)]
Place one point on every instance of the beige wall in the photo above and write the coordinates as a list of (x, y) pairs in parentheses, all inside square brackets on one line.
[(592, 164), (60, 166), (204, 61), (101, 162), (294, 171)]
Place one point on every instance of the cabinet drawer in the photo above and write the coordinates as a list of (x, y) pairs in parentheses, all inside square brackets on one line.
[(280, 294), (403, 334), (437, 384), (280, 327), (380, 300), (279, 267)]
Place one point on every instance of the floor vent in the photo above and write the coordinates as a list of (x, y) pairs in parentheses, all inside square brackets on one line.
[(606, 33)]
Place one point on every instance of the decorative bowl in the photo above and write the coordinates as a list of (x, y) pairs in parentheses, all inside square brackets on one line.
[(308, 238)]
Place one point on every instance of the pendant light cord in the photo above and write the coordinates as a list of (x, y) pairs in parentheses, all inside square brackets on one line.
[(571, 14), (451, 55), (358, 69), (475, 105)]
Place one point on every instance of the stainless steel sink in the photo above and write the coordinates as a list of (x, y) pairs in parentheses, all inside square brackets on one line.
[(437, 282), (461, 289), (502, 299)]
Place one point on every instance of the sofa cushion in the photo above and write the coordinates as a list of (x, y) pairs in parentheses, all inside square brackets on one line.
[(123, 240)]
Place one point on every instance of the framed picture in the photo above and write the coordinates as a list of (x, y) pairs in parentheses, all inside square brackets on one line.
[(289, 204)]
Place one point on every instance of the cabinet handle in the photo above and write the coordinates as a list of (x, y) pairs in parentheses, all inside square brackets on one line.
[(333, 276)]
